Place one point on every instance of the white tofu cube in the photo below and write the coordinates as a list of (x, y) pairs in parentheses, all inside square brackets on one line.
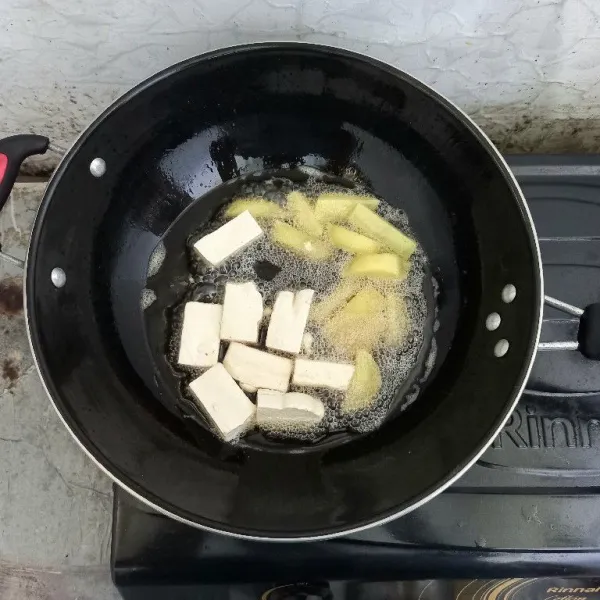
[(288, 321), (249, 389), (216, 247), (320, 373), (242, 312), (257, 368), (276, 410), (200, 340), (307, 342), (227, 407)]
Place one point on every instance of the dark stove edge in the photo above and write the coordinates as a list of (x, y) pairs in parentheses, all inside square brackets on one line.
[(396, 565)]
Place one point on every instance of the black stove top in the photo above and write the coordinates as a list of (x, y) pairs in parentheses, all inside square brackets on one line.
[(530, 507)]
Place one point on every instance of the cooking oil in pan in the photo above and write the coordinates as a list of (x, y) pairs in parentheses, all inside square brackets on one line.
[(274, 269)]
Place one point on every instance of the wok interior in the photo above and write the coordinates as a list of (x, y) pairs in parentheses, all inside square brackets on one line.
[(172, 290), (169, 148)]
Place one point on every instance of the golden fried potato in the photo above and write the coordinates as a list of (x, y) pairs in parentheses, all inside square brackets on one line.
[(350, 241), (364, 385), (371, 224), (299, 242)]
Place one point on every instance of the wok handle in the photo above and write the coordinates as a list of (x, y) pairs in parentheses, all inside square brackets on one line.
[(588, 336), (13, 151)]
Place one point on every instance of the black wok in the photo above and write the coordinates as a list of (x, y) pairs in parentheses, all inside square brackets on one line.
[(162, 159)]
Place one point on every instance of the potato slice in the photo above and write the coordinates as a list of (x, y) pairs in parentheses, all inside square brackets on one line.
[(322, 310), (364, 385), (397, 319), (335, 207), (359, 325), (303, 215), (352, 242), (348, 334), (299, 243), (367, 301), (369, 223), (377, 266), (257, 207)]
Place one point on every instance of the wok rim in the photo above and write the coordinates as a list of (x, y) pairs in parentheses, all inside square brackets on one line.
[(486, 144)]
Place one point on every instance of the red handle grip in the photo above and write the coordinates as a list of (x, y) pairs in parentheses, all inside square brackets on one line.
[(13, 151), (3, 166)]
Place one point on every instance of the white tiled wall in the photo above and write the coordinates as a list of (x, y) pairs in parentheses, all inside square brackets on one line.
[(511, 63)]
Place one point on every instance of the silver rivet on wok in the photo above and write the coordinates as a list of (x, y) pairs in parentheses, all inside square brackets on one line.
[(509, 293), (98, 167), (501, 348), (493, 321), (58, 277)]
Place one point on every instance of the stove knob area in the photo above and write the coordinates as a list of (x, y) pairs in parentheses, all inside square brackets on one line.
[(589, 332)]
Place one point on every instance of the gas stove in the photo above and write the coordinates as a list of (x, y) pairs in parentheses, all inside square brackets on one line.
[(529, 508)]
